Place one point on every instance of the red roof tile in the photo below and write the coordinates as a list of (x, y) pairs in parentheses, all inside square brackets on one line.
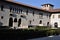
[(19, 3), (54, 10)]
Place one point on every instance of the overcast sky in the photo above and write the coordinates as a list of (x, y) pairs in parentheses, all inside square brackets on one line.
[(38, 3)]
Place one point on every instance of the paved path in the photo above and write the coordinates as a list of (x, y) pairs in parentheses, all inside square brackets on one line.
[(48, 38)]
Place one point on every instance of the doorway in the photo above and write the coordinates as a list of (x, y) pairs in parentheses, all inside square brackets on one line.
[(56, 25), (19, 22), (10, 22), (47, 23)]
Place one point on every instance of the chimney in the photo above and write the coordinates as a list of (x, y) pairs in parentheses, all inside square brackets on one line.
[(47, 6)]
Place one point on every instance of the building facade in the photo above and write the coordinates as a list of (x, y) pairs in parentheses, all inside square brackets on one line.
[(13, 14)]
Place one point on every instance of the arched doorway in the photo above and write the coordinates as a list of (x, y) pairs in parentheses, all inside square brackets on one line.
[(56, 25), (15, 20), (10, 22), (19, 22)]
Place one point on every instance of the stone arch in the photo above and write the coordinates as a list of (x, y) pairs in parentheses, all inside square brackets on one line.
[(47, 23), (10, 22), (56, 25), (40, 22), (19, 22), (15, 20)]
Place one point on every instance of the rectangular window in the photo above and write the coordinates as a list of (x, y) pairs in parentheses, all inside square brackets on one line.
[(21, 11), (2, 7), (33, 13), (58, 16), (30, 22), (40, 15), (10, 9), (53, 16), (27, 12), (15, 9), (33, 19), (47, 15)]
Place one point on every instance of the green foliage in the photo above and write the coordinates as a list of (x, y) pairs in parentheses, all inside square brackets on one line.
[(50, 32), (38, 30), (42, 28)]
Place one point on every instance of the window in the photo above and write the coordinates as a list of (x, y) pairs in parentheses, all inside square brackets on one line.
[(47, 15), (33, 19), (11, 14), (27, 12), (40, 22), (30, 22), (1, 17), (13, 9), (2, 7), (33, 13), (23, 16), (53, 16), (17, 10), (58, 16), (10, 9), (15, 20), (47, 5), (40, 15), (21, 11)]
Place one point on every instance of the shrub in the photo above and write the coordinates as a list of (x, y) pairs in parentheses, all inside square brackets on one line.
[(50, 32), (42, 27)]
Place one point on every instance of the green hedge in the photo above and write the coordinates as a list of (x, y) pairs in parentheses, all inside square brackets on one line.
[(37, 31)]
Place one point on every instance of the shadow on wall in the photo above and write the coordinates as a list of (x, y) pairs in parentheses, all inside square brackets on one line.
[(1, 23)]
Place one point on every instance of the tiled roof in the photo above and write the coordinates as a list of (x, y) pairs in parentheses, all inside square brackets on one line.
[(48, 4), (33, 7), (55, 10)]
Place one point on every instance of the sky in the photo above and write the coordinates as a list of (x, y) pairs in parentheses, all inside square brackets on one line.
[(38, 3)]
